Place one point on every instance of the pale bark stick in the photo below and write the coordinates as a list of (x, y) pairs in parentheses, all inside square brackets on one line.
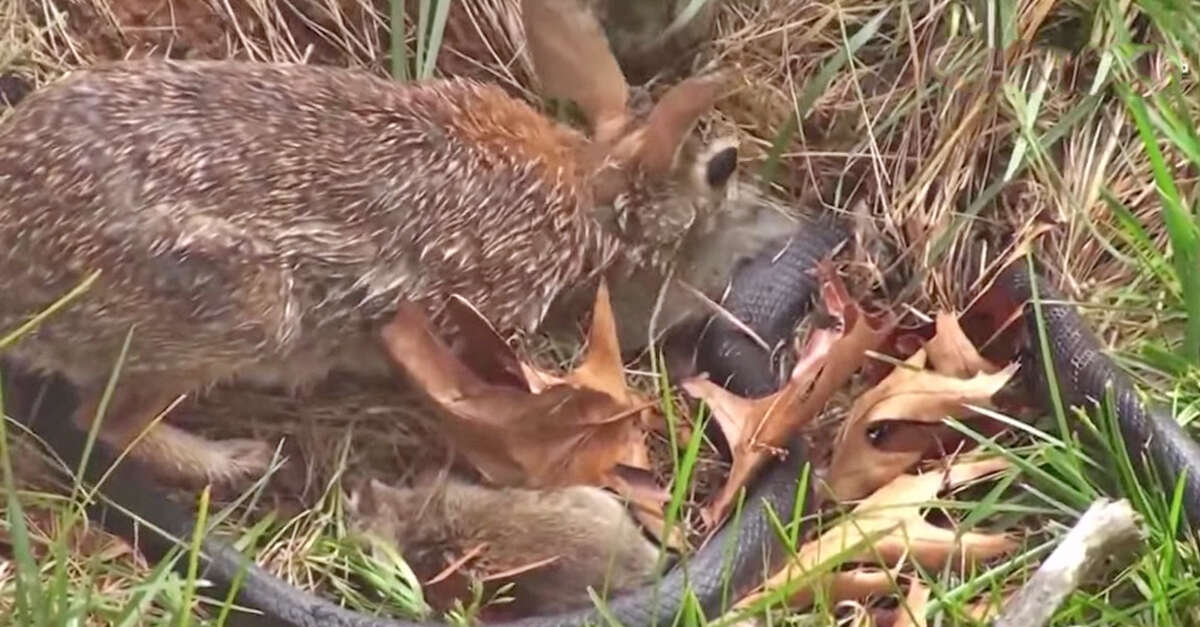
[(1107, 529)]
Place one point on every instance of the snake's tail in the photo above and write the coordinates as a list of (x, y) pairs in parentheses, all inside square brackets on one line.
[(1084, 373)]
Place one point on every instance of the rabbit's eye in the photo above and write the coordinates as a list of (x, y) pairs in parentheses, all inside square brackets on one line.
[(720, 167)]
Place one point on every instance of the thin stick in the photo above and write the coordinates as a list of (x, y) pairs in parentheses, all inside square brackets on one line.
[(1106, 529)]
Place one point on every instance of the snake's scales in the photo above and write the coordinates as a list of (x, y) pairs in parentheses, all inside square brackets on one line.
[(771, 293)]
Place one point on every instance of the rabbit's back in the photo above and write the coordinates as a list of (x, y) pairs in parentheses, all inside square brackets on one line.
[(240, 213)]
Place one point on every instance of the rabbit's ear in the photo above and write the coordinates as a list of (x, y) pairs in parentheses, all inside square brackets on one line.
[(673, 118), (365, 500), (572, 60)]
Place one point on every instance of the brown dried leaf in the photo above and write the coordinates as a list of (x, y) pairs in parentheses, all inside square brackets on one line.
[(951, 352), (756, 428), (862, 584), (893, 515), (912, 612), (859, 583), (535, 430), (480, 347), (648, 499), (601, 368), (899, 421)]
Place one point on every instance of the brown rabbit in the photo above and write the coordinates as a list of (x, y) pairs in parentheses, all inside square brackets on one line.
[(260, 222), (566, 540)]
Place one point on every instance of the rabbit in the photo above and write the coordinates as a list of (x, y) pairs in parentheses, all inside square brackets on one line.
[(560, 541), (260, 223)]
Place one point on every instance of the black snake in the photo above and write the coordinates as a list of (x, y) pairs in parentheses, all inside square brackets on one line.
[(771, 293)]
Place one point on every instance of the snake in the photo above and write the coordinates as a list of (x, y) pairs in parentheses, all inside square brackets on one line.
[(771, 294), (1075, 364)]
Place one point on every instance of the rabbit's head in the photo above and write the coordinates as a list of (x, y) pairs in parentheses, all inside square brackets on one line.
[(658, 194), (649, 183)]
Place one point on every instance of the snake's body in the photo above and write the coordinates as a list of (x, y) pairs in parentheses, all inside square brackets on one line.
[(1084, 374), (772, 294)]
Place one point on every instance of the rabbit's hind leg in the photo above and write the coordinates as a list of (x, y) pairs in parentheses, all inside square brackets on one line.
[(188, 459), (174, 455)]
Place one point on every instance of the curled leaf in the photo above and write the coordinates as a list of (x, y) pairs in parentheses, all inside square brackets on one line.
[(520, 426), (951, 352), (755, 428), (912, 612), (845, 585), (898, 422), (888, 527)]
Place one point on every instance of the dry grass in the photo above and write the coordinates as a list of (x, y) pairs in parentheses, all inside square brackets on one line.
[(917, 132)]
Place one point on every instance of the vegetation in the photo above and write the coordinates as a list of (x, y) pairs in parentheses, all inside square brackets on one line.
[(953, 131)]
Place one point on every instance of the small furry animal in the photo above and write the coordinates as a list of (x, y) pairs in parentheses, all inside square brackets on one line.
[(586, 531), (261, 222)]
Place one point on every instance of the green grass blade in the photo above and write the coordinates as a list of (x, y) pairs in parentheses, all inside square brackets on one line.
[(1180, 223), (815, 88), (30, 607), (437, 29), (398, 44)]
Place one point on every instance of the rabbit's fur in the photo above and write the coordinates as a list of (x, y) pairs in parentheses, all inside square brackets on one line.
[(261, 222), (559, 542)]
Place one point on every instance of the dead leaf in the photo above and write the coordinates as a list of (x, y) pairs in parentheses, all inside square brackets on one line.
[(908, 612), (951, 352), (521, 426), (912, 612), (896, 509), (756, 428), (904, 342), (859, 583), (480, 348), (601, 368), (898, 422), (648, 499), (951, 348), (893, 516), (992, 320)]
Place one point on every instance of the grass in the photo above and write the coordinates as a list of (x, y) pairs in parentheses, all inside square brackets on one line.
[(952, 122)]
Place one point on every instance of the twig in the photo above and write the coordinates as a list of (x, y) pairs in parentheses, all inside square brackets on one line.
[(457, 564), (717, 309), (1107, 529)]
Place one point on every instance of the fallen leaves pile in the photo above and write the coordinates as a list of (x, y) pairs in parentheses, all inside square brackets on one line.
[(520, 425), (886, 529)]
